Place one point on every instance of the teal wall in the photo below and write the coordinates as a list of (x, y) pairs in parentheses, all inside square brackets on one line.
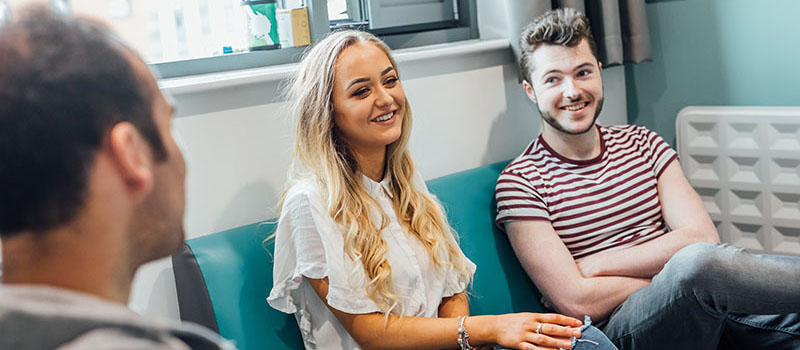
[(715, 52)]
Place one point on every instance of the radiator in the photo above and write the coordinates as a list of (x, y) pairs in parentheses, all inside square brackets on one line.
[(744, 162)]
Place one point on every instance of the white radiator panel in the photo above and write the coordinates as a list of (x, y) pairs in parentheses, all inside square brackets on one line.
[(744, 162)]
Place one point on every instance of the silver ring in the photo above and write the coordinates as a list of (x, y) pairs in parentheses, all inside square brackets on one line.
[(539, 328)]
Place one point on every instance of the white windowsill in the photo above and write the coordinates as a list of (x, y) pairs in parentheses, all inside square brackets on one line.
[(214, 81)]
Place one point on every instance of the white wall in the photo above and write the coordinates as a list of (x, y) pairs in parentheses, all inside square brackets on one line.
[(468, 109)]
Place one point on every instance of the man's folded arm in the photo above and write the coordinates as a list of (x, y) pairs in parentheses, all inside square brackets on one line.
[(550, 265), (684, 214)]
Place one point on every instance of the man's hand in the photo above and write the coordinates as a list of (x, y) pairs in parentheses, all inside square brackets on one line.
[(547, 303), (589, 266)]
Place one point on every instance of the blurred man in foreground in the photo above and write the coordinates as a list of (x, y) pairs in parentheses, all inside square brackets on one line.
[(92, 187)]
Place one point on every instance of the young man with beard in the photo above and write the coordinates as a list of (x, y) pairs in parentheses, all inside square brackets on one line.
[(92, 187), (606, 224)]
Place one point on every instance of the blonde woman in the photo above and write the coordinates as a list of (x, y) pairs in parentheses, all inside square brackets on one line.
[(364, 256)]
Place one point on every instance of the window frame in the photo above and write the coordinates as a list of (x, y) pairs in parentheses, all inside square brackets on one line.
[(465, 28)]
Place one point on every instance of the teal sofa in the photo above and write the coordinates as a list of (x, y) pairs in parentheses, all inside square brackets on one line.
[(223, 279)]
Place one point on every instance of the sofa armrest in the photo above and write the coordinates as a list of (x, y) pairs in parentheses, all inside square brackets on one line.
[(193, 300)]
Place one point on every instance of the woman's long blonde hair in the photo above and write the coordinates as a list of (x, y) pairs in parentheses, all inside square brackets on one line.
[(321, 156)]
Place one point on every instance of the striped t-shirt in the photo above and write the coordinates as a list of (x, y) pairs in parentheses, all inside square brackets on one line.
[(606, 203)]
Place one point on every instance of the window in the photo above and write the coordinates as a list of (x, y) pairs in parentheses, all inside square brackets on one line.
[(392, 16), (185, 37), (337, 10), (388, 14), (169, 30)]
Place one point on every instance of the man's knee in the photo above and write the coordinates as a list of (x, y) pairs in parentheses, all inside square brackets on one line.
[(696, 265)]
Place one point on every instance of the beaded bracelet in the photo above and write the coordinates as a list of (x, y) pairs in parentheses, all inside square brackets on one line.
[(463, 336)]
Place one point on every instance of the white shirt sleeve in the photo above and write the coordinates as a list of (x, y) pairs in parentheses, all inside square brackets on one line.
[(308, 245)]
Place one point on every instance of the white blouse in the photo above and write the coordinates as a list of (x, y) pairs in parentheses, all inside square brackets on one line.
[(310, 244)]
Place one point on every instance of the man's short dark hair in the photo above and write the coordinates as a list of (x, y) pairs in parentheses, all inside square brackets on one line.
[(564, 26), (64, 82)]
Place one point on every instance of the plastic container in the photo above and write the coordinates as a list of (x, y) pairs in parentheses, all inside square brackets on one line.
[(262, 26)]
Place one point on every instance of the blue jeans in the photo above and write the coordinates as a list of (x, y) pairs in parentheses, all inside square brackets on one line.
[(591, 338), (713, 296)]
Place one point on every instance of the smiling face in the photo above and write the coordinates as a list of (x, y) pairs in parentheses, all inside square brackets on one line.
[(368, 98), (566, 86)]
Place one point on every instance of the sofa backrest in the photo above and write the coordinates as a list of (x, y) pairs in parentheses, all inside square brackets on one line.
[(223, 279), (500, 284)]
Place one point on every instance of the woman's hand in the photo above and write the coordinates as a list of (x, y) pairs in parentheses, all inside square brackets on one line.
[(519, 331)]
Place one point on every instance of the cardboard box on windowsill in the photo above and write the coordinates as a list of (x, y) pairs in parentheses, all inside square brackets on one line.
[(293, 27)]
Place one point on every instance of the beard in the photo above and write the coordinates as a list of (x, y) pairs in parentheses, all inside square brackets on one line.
[(549, 119), (157, 227)]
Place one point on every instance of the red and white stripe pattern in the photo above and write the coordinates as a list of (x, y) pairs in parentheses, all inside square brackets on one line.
[(610, 202)]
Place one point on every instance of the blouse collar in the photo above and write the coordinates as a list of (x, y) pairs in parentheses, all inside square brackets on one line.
[(375, 187)]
